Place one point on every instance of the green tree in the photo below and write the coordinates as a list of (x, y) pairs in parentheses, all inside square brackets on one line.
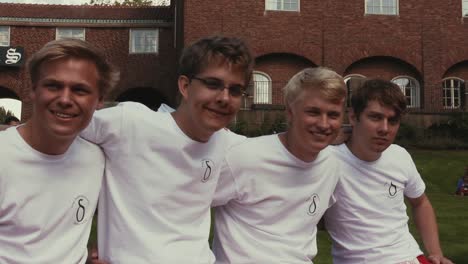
[(129, 2), (4, 113)]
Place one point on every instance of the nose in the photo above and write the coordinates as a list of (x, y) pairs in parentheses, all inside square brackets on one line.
[(324, 122), (383, 128), (65, 97), (223, 95)]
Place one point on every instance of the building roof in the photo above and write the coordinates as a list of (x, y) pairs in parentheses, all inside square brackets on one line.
[(164, 13)]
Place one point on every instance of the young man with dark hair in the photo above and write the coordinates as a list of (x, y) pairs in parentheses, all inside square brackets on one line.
[(49, 177), (162, 168), (11, 121), (274, 189), (369, 224)]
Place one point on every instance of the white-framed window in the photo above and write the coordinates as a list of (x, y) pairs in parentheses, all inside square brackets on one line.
[(452, 88), (144, 40), (282, 5), (262, 88), (410, 88), (76, 33), (465, 8), (382, 7), (4, 36), (353, 81)]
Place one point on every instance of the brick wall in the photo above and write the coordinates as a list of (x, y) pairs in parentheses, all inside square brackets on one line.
[(425, 40), (154, 71)]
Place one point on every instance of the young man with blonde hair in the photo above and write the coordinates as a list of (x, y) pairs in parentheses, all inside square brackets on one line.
[(274, 189), (49, 177), (369, 224), (162, 168)]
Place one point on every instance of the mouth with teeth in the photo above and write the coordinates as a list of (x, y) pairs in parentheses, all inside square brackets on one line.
[(63, 115)]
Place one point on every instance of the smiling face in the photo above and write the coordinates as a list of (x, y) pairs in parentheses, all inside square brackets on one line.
[(374, 131), (314, 123), (204, 111), (65, 97)]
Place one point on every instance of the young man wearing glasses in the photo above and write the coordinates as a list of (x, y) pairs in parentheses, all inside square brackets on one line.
[(162, 168)]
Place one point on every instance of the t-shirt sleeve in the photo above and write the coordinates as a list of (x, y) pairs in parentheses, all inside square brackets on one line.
[(415, 186), (105, 126), (226, 189)]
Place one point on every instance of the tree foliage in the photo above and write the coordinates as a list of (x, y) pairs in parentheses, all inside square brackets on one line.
[(129, 2), (4, 114)]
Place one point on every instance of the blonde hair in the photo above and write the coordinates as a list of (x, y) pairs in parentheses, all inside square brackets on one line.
[(74, 49), (330, 84)]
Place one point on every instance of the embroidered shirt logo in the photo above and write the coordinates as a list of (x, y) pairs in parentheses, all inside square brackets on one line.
[(207, 166), (312, 203), (391, 190), (80, 209)]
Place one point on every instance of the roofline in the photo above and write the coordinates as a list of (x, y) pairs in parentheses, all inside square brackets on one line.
[(48, 22)]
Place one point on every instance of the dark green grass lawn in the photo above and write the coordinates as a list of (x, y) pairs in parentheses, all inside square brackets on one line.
[(440, 171)]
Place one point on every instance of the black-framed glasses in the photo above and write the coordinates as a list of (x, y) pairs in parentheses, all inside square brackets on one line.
[(211, 83)]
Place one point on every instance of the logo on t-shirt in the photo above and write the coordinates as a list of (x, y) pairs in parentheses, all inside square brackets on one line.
[(391, 190), (313, 203), (80, 209), (207, 166)]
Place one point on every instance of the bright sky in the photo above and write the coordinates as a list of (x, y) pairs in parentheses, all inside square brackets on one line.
[(12, 105), (51, 2)]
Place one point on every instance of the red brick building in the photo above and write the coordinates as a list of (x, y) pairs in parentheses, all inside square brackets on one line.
[(141, 42), (420, 44)]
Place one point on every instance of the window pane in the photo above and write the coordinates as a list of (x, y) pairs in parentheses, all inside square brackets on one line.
[(262, 85), (386, 7), (410, 88), (452, 92), (144, 41), (4, 36), (465, 7), (77, 33), (287, 5)]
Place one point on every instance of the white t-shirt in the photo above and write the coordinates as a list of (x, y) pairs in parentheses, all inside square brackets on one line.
[(47, 202), (369, 224), (159, 183), (271, 203)]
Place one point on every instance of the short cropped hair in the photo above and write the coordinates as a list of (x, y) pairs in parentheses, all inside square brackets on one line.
[(330, 84), (10, 119), (199, 55), (385, 92), (74, 49)]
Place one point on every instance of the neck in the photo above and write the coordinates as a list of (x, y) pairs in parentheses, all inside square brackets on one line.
[(186, 124), (42, 142), (360, 153), (296, 148)]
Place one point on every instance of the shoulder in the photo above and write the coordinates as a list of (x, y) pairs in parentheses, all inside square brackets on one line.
[(250, 149), (134, 109), (397, 152), (230, 138), (87, 149)]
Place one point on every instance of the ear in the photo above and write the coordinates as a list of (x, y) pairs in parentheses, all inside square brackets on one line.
[(32, 94), (289, 113), (352, 117), (100, 103), (183, 83)]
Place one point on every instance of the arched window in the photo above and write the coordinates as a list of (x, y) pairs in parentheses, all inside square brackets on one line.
[(262, 88), (352, 82), (452, 88), (410, 88)]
